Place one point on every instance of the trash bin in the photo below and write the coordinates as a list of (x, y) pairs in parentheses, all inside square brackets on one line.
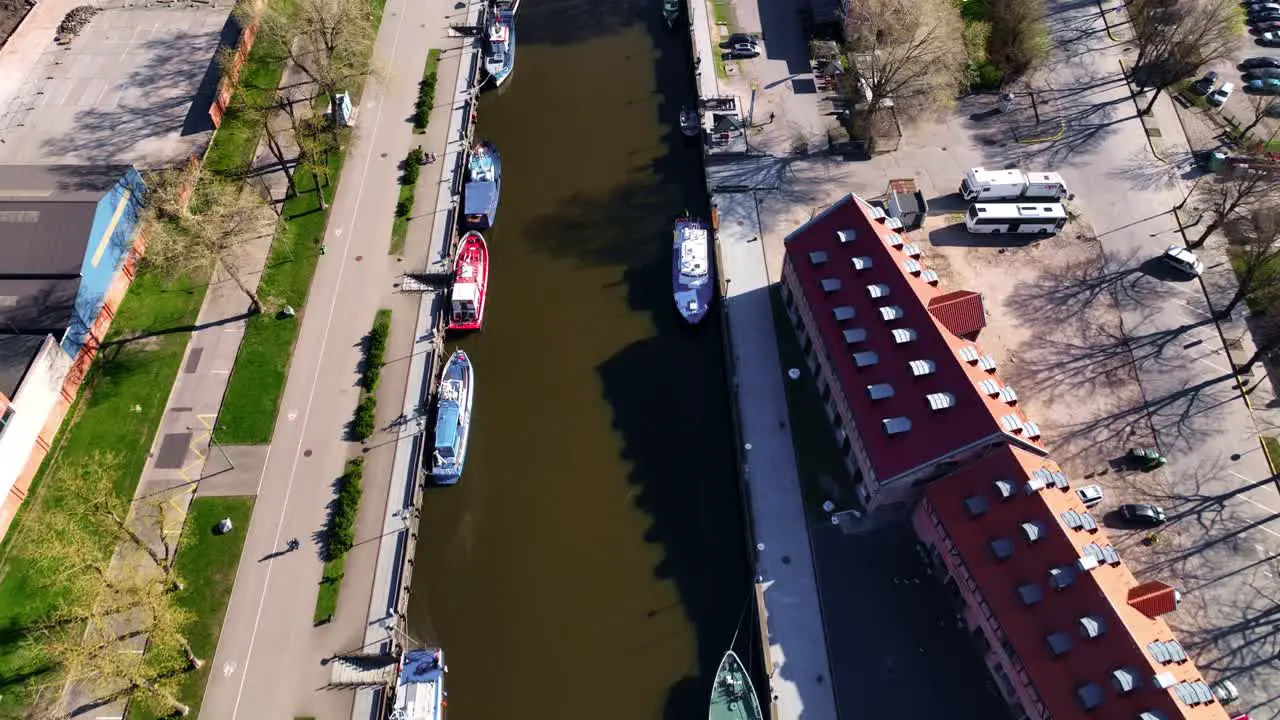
[(1217, 159)]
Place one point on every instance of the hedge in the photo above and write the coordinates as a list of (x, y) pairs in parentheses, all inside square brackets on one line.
[(341, 533)]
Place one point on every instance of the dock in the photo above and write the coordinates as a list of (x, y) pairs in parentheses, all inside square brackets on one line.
[(788, 605), (385, 629)]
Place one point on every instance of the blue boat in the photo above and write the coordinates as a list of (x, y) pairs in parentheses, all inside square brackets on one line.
[(420, 686), (453, 419), (691, 276), (484, 182), (500, 41)]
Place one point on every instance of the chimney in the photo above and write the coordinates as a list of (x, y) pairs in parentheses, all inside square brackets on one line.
[(1153, 599)]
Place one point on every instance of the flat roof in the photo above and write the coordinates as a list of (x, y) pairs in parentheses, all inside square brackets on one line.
[(868, 291), (1071, 625), (40, 305), (17, 352), (46, 215)]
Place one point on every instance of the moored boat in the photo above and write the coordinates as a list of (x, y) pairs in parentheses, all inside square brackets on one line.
[(484, 184), (453, 419), (470, 284), (690, 123), (500, 41), (670, 12), (733, 697), (691, 269), (420, 686)]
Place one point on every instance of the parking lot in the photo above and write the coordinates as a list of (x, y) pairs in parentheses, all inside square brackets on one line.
[(1240, 105), (133, 87)]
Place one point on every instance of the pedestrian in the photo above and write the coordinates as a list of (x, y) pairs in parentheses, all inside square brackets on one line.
[(770, 117), (293, 544), (323, 249)]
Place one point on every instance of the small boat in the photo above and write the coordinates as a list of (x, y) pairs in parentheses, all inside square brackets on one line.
[(733, 697), (484, 183), (671, 12), (500, 41), (691, 269), (690, 123), (470, 283), (453, 419), (420, 686)]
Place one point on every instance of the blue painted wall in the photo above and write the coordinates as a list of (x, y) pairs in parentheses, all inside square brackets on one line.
[(115, 225)]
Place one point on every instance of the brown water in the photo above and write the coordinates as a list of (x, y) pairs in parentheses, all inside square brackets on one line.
[(591, 563)]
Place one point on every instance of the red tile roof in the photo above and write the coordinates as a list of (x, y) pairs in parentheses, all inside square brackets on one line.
[(961, 312), (815, 253), (970, 509), (1153, 598)]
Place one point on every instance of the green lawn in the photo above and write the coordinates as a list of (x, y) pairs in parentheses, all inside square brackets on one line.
[(327, 598), (207, 564), (249, 408), (126, 376), (823, 475)]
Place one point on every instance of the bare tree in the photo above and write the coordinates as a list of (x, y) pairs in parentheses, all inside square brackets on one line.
[(1241, 191), (329, 41), (209, 232), (316, 145), (1259, 109), (910, 53), (1018, 34), (1175, 40), (1255, 255)]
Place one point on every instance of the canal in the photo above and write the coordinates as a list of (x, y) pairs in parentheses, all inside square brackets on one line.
[(592, 562)]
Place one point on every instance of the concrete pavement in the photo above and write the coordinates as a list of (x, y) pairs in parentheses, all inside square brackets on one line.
[(270, 659)]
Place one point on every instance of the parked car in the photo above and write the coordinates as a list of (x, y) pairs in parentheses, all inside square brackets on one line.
[(1225, 691), (1259, 7), (1219, 96), (1205, 84), (1273, 110), (1142, 514), (1265, 86), (1184, 260), (1267, 26), (744, 50), (1260, 62), (1264, 17), (1146, 458), (1090, 495), (1262, 73), (1269, 38), (737, 38)]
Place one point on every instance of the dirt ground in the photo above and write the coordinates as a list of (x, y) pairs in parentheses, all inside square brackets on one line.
[(1054, 329), (11, 12)]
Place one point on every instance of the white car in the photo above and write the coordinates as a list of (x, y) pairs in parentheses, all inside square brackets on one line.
[(1183, 259), (1090, 495), (1219, 96)]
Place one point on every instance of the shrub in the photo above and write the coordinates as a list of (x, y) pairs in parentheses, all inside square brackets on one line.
[(403, 208), (987, 76), (342, 521), (376, 351), (426, 99), (363, 425), (412, 167)]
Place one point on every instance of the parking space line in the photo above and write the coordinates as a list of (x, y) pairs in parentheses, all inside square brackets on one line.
[(1192, 309)]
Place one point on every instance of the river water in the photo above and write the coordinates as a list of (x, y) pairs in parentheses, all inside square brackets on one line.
[(591, 563)]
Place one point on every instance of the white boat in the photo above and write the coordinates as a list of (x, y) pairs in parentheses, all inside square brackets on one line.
[(420, 686)]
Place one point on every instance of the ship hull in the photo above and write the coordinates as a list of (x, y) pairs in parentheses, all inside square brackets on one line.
[(480, 197), (455, 395), (733, 697), (499, 70), (692, 293), (470, 284)]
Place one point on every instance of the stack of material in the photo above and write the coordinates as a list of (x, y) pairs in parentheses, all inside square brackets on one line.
[(75, 21)]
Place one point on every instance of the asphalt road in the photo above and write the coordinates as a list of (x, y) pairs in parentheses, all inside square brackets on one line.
[(269, 658)]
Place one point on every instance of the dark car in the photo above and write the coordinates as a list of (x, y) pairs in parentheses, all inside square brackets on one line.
[(1269, 26), (737, 38), (1262, 74), (1260, 62), (1142, 514), (1205, 84), (1270, 38)]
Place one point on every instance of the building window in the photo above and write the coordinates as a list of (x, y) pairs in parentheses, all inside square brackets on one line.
[(5, 418)]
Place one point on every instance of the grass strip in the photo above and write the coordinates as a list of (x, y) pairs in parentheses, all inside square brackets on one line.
[(823, 474), (248, 415), (426, 93), (412, 169), (119, 407), (339, 538), (207, 564)]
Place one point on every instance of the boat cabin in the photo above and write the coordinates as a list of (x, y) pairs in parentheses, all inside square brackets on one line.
[(465, 304), (693, 254), (447, 423)]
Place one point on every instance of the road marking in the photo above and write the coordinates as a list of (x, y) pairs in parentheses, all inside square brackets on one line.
[(228, 668), (292, 414), (324, 341), (1193, 309), (1215, 366)]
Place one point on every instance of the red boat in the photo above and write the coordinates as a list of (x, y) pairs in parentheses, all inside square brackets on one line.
[(470, 283)]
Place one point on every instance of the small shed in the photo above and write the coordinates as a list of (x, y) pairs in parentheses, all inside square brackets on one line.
[(903, 200)]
